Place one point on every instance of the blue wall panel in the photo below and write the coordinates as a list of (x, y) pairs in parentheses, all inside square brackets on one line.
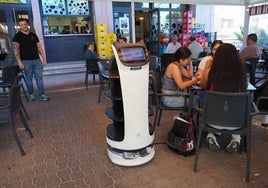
[(66, 48)]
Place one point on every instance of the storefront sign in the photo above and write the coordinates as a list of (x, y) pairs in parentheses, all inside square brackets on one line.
[(13, 1), (263, 9), (65, 7)]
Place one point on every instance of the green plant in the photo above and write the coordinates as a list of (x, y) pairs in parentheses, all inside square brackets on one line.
[(240, 35)]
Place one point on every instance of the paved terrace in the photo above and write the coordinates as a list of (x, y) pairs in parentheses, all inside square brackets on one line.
[(69, 149)]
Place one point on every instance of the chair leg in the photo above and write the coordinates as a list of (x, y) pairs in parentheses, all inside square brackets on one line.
[(199, 137), (101, 87), (25, 124), (86, 80), (23, 89), (25, 94), (159, 117), (248, 158), (24, 110), (155, 117), (16, 137), (94, 79)]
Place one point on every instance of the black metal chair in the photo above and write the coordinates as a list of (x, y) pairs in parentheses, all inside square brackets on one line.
[(12, 76), (91, 68), (18, 81), (9, 111), (251, 64), (104, 77), (228, 110), (9, 74), (262, 101), (159, 106), (196, 62), (166, 59), (262, 104)]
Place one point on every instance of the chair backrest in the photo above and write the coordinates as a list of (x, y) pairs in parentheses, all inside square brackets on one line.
[(103, 65), (92, 65), (261, 89), (251, 68), (253, 61), (9, 73), (18, 79), (14, 99), (166, 59), (227, 109), (202, 54), (262, 104), (156, 79)]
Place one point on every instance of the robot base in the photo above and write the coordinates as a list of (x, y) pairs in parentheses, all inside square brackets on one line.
[(128, 158)]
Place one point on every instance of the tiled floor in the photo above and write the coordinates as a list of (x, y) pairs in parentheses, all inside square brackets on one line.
[(70, 150)]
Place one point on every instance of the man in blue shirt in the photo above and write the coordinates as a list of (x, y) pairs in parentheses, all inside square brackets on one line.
[(90, 53)]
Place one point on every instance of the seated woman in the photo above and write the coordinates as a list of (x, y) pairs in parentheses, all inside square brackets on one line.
[(205, 64), (226, 74), (209, 58), (173, 78), (90, 53)]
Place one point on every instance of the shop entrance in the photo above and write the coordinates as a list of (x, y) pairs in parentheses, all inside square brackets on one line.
[(9, 17), (147, 28)]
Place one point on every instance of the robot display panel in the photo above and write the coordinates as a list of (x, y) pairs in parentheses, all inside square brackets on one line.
[(133, 55)]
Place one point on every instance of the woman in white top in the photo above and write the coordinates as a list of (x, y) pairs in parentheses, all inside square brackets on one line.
[(209, 58), (205, 64)]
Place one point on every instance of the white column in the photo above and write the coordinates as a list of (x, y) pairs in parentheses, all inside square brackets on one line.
[(103, 13), (37, 21), (133, 21), (246, 23)]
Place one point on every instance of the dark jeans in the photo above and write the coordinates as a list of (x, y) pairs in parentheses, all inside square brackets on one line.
[(34, 68)]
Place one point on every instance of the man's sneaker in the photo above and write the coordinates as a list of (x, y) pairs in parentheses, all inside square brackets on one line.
[(232, 147), (31, 97), (212, 144), (44, 97)]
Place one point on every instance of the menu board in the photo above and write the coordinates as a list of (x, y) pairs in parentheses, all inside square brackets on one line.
[(54, 7), (78, 7), (13, 1), (65, 7)]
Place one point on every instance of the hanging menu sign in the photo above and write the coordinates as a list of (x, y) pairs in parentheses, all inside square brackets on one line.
[(54, 7), (63, 7), (13, 1), (263, 9), (78, 7)]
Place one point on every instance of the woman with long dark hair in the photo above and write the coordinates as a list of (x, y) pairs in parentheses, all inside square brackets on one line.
[(226, 74)]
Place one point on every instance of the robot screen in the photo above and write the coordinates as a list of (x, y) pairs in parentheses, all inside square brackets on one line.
[(133, 54)]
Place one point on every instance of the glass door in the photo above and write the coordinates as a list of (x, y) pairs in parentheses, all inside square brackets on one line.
[(155, 32), (5, 43), (18, 14), (9, 17)]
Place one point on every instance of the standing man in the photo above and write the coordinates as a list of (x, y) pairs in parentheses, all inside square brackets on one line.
[(195, 48), (251, 50), (174, 45), (27, 49)]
